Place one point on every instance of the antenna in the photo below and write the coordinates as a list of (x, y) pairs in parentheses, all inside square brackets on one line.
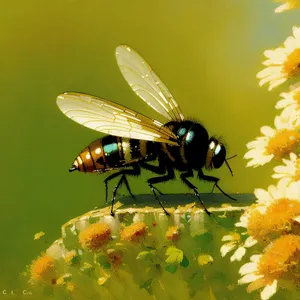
[(228, 164)]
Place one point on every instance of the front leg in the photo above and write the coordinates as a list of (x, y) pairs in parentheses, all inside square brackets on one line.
[(170, 175), (215, 180), (160, 169), (184, 177)]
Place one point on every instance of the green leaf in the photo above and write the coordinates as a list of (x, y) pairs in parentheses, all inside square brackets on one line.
[(185, 262), (174, 255), (204, 259), (171, 268), (144, 255)]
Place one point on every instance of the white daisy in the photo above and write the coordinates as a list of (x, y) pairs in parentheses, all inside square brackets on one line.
[(283, 62), (291, 169), (290, 102), (276, 143), (250, 274), (276, 264), (287, 5), (274, 211), (233, 241)]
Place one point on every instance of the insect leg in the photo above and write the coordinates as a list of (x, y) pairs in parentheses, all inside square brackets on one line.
[(114, 194), (215, 180), (135, 171), (160, 169), (183, 177), (170, 175)]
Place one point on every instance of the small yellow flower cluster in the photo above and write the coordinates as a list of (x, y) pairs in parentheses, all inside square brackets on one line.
[(95, 236), (134, 232), (273, 221), (173, 233), (43, 270)]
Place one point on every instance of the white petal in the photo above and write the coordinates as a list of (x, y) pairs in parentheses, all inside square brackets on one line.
[(227, 238), (293, 192), (248, 268), (282, 7), (290, 43), (268, 71), (269, 291), (276, 83), (250, 241), (293, 157), (255, 257), (268, 131), (238, 254), (227, 248), (262, 195)]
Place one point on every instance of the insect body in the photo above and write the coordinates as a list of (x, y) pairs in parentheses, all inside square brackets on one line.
[(134, 140)]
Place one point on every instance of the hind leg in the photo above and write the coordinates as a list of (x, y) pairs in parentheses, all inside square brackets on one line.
[(184, 177), (135, 171), (170, 175)]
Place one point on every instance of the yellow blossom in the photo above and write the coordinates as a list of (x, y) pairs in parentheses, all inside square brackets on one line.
[(283, 63), (276, 143), (274, 211), (291, 169), (173, 233), (43, 269), (277, 219), (279, 262), (95, 236), (134, 232)]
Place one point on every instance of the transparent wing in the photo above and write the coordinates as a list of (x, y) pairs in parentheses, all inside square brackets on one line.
[(146, 84), (111, 118)]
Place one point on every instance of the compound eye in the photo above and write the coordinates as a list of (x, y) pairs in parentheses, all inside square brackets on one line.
[(218, 149), (219, 156)]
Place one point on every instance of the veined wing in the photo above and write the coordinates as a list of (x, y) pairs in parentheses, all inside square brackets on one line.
[(111, 118), (146, 84)]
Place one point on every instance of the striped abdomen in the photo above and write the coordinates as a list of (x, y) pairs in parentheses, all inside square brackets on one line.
[(112, 152)]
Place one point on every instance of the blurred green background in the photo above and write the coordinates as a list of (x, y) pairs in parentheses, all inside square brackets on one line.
[(207, 53)]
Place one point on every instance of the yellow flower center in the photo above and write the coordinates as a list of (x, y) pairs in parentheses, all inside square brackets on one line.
[(291, 66), (283, 142), (134, 232), (277, 219), (280, 258), (43, 269), (95, 236)]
